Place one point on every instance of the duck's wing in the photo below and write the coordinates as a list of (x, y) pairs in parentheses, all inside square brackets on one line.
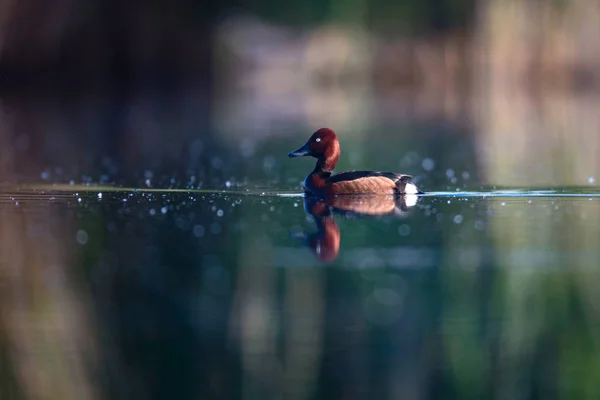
[(365, 182), (354, 175), (362, 182)]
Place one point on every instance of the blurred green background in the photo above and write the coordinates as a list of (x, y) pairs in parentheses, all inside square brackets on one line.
[(107, 90)]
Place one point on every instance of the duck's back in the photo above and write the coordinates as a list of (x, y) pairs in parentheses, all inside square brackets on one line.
[(367, 182)]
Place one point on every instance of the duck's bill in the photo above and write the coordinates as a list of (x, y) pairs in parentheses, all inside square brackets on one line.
[(301, 152)]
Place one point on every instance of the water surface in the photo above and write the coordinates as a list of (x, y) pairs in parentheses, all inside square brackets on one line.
[(254, 294)]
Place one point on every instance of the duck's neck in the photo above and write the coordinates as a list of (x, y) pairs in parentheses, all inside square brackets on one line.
[(328, 161), (321, 172), (315, 182)]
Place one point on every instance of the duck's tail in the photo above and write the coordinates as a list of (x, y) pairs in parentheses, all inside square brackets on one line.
[(404, 204), (405, 185)]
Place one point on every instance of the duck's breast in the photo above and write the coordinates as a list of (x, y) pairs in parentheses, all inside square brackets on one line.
[(315, 184)]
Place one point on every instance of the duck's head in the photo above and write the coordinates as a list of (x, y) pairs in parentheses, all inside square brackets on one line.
[(323, 145)]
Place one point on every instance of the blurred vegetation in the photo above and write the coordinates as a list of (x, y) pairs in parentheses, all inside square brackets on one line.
[(385, 16), (140, 43)]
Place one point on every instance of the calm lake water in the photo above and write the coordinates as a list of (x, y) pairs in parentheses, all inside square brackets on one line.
[(251, 294)]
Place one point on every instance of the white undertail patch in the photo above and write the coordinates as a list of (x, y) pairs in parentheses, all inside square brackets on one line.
[(410, 188), (410, 200)]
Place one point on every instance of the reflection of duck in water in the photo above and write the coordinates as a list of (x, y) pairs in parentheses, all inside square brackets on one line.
[(326, 241)]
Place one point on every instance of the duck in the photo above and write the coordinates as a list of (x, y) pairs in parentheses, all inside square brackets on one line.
[(325, 147)]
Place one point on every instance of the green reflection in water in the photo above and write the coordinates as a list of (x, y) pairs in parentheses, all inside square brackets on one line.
[(213, 293)]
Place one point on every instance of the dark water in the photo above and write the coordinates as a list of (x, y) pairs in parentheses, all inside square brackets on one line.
[(165, 294)]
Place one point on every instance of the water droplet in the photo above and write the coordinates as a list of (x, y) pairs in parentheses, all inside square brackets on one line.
[(591, 180), (465, 175), (163, 210), (45, 175), (479, 225), (404, 230), (81, 237), (100, 195), (449, 173), (428, 164), (220, 213), (503, 204), (458, 219), (152, 211), (198, 231), (228, 184)]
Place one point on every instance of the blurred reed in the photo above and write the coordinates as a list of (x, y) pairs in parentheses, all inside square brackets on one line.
[(49, 333)]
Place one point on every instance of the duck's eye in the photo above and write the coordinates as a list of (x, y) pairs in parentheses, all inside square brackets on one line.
[(318, 139)]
